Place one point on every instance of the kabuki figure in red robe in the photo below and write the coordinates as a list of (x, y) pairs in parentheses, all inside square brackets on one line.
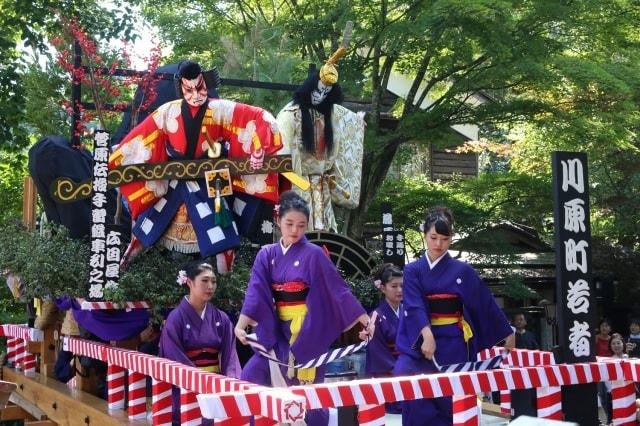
[(179, 213)]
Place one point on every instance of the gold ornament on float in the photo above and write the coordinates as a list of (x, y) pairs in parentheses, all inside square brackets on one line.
[(329, 72)]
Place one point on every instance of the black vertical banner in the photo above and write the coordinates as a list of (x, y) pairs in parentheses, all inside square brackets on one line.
[(106, 239), (575, 292), (393, 248)]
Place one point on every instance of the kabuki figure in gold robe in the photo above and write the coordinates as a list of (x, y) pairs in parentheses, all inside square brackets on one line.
[(325, 141), (179, 213)]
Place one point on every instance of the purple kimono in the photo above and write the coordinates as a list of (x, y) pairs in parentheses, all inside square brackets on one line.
[(449, 277), (186, 333), (381, 351), (331, 309)]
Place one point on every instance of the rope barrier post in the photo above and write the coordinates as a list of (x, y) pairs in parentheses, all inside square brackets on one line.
[(623, 401), (505, 402), (115, 387), (137, 394), (21, 350), (549, 401), (465, 410), (11, 350), (371, 415), (189, 409), (161, 403), (29, 363)]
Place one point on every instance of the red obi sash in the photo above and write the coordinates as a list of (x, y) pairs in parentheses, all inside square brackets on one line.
[(290, 293), (205, 359), (444, 305)]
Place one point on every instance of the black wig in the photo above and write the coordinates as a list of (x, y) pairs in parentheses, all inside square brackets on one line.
[(188, 70)]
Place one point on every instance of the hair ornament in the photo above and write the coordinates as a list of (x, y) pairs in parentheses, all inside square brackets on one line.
[(182, 277), (377, 283)]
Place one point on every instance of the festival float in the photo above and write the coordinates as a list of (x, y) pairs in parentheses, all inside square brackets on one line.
[(193, 188)]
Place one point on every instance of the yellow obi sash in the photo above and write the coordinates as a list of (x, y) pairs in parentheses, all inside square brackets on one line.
[(290, 305)]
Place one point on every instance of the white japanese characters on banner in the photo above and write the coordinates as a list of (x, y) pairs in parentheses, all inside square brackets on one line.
[(393, 249), (575, 294), (104, 260)]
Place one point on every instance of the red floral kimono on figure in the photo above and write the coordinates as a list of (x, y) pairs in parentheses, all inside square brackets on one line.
[(158, 206)]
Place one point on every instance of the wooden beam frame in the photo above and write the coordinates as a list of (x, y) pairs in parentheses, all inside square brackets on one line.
[(65, 406)]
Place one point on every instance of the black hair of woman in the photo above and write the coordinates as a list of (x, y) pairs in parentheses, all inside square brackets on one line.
[(386, 272), (617, 336), (604, 320), (289, 200), (192, 269), (439, 217)]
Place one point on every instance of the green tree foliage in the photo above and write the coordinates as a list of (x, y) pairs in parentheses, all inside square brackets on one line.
[(12, 173), (26, 25), (519, 53), (476, 203), (242, 43), (567, 69), (50, 265)]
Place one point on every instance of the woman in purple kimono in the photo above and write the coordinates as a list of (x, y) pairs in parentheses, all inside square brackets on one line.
[(381, 351), (449, 315), (297, 302), (197, 333)]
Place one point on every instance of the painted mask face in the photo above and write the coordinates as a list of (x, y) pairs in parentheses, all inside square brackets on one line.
[(319, 94), (194, 91)]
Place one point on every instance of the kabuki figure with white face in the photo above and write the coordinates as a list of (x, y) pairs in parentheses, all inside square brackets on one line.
[(194, 91), (326, 144), (179, 214)]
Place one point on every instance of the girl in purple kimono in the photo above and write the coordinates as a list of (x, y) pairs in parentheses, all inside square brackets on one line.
[(197, 333), (381, 351), (297, 302), (449, 315)]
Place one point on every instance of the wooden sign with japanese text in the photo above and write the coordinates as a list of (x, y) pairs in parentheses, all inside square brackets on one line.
[(104, 260), (575, 292), (393, 244)]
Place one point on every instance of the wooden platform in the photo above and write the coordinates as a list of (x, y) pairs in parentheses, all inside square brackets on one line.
[(62, 405)]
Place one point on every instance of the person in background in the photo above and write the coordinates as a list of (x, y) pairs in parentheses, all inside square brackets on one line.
[(524, 338), (602, 349), (603, 337), (523, 401), (449, 315), (196, 333), (617, 348), (633, 341), (381, 351)]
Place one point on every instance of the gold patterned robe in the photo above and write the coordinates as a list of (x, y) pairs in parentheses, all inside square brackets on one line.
[(334, 176)]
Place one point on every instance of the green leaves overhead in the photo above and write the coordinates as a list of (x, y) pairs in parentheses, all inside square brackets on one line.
[(26, 25)]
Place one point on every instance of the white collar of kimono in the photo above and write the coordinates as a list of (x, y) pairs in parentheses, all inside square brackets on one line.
[(203, 311), (435, 262), (284, 249)]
